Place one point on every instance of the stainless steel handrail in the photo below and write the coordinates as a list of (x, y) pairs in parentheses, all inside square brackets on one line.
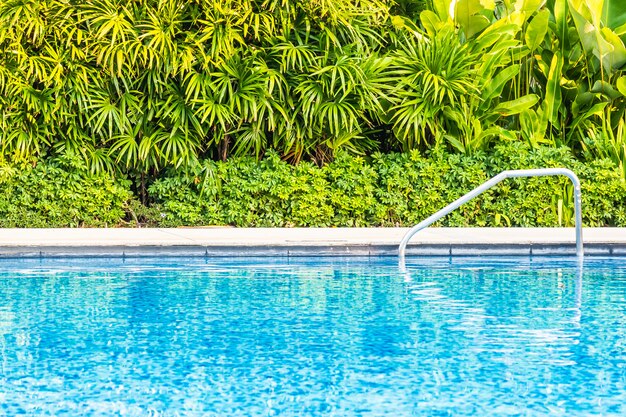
[(495, 180)]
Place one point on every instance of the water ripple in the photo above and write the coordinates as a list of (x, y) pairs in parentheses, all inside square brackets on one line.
[(312, 337)]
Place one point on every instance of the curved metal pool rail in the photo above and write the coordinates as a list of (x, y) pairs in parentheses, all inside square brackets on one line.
[(490, 183)]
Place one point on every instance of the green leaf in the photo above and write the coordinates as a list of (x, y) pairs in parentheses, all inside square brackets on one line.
[(528, 6), (476, 24), (552, 100), (595, 110), (398, 21), (456, 143), (494, 87), (537, 29), (488, 4), (517, 106), (615, 56), (560, 11), (614, 13), (605, 88), (621, 85), (590, 10), (464, 11), (431, 22), (597, 40), (442, 8), (496, 32)]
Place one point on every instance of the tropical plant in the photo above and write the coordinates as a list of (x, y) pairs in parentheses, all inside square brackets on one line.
[(137, 87), (453, 79)]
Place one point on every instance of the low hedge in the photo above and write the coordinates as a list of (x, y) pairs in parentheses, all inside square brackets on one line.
[(388, 190), (60, 193), (382, 190)]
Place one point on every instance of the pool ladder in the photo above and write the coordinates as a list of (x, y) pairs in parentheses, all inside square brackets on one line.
[(495, 180)]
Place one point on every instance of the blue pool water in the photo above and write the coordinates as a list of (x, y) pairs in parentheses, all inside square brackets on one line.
[(312, 337)]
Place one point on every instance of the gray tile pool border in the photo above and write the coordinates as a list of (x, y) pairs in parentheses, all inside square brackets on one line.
[(294, 242)]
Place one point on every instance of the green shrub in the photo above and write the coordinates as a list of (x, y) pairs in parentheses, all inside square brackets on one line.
[(244, 192), (390, 190), (60, 193), (383, 190)]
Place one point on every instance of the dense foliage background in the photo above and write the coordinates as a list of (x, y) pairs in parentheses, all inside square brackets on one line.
[(135, 97)]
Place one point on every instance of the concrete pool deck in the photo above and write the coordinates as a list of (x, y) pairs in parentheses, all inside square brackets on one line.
[(228, 241)]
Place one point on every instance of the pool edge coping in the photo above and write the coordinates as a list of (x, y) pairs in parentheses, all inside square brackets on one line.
[(281, 242)]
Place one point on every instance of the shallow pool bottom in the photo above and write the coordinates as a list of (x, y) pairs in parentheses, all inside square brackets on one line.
[(312, 337)]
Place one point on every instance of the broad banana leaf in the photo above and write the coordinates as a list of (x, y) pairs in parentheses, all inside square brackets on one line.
[(518, 105), (595, 110), (476, 24), (614, 13), (537, 29), (431, 22), (442, 8), (467, 15), (560, 10), (528, 6), (552, 100), (601, 42), (616, 58), (496, 32), (494, 88)]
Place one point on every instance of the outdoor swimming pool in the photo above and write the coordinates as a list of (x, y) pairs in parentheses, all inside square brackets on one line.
[(312, 337)]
